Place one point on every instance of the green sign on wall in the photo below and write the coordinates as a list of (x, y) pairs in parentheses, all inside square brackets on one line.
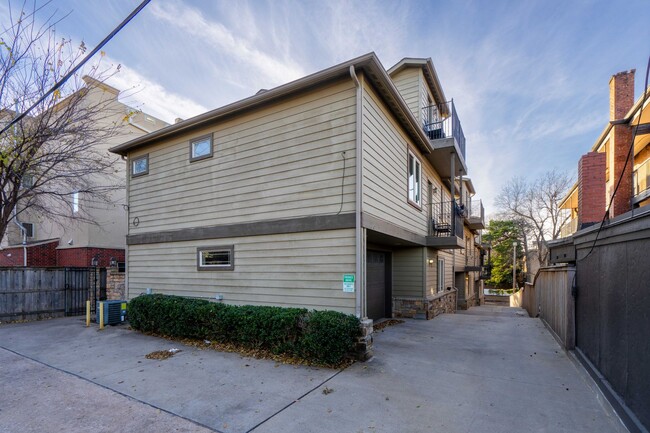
[(348, 283)]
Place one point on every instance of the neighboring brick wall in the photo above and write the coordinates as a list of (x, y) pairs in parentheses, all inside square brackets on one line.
[(41, 255), (11, 257), (48, 254), (428, 308), (83, 256), (621, 100), (115, 284), (591, 188)]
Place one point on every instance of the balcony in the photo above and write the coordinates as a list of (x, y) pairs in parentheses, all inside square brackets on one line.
[(641, 179), (569, 228), (446, 228), (442, 126), (475, 214)]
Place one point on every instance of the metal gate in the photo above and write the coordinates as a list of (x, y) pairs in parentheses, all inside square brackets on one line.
[(80, 286)]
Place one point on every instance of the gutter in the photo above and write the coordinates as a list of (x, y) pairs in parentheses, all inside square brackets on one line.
[(358, 191), (333, 72)]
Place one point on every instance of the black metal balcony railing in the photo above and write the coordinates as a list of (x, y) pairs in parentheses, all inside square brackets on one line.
[(642, 178), (475, 209), (436, 126), (446, 219)]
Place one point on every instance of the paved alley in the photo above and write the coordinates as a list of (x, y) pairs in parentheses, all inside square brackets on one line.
[(490, 369)]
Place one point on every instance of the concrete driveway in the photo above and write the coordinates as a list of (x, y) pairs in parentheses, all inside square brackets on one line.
[(487, 370)]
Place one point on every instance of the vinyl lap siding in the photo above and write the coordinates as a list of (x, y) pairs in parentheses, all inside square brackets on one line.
[(291, 270), (283, 161), (385, 169), (408, 83), (408, 277)]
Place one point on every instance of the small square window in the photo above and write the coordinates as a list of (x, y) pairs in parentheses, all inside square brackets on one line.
[(220, 258), (29, 229), (140, 166), (27, 181), (201, 148)]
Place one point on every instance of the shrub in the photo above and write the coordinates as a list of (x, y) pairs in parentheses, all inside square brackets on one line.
[(324, 337), (329, 336)]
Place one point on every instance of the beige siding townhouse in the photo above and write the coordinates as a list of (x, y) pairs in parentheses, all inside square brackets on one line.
[(329, 192), (86, 228)]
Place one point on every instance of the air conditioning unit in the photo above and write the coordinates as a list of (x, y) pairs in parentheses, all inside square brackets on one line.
[(114, 312)]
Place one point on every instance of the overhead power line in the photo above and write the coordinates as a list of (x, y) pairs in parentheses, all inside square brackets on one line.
[(76, 68)]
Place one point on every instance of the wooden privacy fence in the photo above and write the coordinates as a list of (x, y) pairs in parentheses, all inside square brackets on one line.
[(550, 297), (36, 293)]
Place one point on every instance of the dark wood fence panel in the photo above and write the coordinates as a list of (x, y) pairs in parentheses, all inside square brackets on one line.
[(37, 293)]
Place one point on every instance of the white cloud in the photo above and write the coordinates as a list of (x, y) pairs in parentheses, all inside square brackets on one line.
[(242, 51), (152, 98)]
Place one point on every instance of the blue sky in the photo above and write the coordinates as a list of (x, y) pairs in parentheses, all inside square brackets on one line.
[(529, 78)]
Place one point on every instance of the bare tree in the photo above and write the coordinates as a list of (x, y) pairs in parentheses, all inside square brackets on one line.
[(534, 206), (53, 154)]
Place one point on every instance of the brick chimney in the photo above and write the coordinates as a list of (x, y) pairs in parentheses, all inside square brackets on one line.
[(621, 99), (591, 189)]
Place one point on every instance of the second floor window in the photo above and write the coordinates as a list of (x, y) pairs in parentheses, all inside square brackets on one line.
[(201, 148), (414, 180), (75, 202), (29, 229), (140, 165)]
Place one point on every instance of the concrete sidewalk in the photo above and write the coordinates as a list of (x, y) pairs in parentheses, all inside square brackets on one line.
[(491, 369)]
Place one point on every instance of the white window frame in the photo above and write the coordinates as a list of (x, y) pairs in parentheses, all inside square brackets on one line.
[(229, 249), (440, 271), (75, 202), (135, 160), (194, 141), (414, 187)]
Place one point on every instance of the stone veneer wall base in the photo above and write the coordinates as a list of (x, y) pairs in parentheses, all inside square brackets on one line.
[(425, 308)]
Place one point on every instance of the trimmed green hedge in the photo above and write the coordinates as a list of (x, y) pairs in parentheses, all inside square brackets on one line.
[(324, 337)]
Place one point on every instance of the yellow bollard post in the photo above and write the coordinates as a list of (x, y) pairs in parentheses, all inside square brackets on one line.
[(87, 314), (101, 315)]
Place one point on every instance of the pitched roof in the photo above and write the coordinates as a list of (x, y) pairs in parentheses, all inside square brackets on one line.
[(430, 75), (368, 63)]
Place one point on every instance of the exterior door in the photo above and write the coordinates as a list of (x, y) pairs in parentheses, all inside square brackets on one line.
[(376, 284)]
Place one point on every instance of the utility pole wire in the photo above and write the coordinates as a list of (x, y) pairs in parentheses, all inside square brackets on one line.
[(76, 68)]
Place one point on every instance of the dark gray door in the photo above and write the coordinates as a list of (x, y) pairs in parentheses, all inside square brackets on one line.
[(376, 284)]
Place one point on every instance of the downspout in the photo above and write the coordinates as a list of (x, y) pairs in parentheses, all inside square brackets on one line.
[(24, 232), (452, 191), (128, 226), (358, 191), (18, 223)]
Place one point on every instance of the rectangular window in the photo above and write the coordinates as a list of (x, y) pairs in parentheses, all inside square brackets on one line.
[(75, 202), (29, 229), (140, 165), (414, 180), (201, 148), (27, 182), (221, 258), (441, 275)]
